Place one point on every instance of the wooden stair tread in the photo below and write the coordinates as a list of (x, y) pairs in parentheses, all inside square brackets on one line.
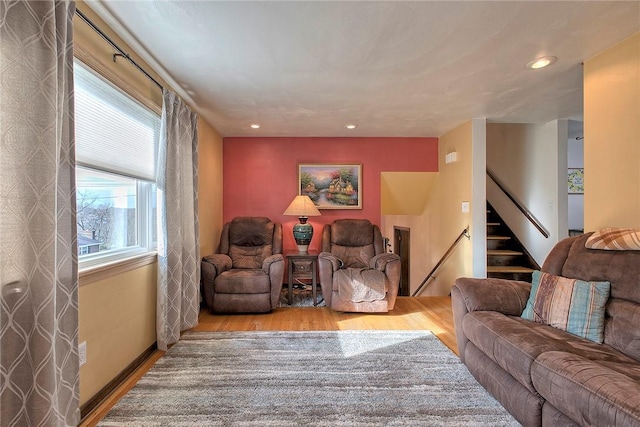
[(503, 252), (508, 269)]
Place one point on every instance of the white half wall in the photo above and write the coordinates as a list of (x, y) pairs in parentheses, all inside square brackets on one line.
[(479, 196), (576, 201)]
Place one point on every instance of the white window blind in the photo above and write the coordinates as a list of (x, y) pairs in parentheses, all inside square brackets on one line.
[(130, 148)]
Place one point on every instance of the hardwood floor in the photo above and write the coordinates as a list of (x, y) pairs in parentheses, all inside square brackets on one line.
[(410, 313)]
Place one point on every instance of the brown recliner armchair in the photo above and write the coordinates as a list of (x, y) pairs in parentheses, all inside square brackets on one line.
[(356, 274), (246, 273)]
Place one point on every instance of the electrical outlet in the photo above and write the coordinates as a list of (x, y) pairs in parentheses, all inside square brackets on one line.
[(82, 352)]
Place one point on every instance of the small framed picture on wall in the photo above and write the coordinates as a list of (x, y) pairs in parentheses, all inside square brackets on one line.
[(575, 180)]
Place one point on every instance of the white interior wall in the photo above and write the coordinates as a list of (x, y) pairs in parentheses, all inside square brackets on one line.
[(531, 161)]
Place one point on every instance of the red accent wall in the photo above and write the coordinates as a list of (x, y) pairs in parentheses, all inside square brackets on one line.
[(261, 174)]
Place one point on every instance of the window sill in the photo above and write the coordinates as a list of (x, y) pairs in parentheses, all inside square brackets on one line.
[(93, 274)]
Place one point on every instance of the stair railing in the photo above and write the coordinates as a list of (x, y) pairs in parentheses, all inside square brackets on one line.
[(532, 219), (464, 233)]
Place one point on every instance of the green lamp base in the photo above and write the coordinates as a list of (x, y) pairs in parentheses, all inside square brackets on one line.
[(302, 233)]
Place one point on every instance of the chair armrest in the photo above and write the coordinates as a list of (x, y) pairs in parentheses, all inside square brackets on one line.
[(268, 261), (380, 261), (508, 297), (327, 265), (221, 262), (273, 266), (211, 267), (327, 258), (390, 265)]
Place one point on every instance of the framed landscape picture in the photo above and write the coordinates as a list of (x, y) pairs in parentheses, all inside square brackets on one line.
[(576, 180), (331, 186)]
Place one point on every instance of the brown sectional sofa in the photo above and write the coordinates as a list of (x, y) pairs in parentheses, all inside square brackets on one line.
[(542, 375)]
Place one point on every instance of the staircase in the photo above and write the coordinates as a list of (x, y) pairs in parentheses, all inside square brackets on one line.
[(506, 257)]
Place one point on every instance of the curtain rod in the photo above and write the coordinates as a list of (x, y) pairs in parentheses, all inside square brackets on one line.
[(121, 52)]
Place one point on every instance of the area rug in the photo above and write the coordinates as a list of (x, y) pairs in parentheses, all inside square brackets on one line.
[(335, 378), (301, 298)]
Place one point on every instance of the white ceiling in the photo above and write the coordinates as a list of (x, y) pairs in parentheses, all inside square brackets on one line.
[(393, 68)]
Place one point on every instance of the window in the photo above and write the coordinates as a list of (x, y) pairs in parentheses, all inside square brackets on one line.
[(116, 152)]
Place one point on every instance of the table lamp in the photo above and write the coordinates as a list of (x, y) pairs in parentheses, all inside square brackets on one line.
[(303, 208)]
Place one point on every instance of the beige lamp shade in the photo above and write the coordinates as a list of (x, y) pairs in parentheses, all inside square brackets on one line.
[(302, 206)]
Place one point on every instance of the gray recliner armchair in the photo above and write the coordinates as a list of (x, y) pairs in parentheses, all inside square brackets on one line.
[(246, 273), (356, 274)]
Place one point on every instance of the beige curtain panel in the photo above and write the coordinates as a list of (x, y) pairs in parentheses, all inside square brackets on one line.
[(38, 254), (178, 297)]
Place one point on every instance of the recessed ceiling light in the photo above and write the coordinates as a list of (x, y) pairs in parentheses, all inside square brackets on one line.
[(351, 126), (255, 126), (542, 62)]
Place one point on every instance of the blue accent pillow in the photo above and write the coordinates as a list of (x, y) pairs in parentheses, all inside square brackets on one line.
[(573, 305)]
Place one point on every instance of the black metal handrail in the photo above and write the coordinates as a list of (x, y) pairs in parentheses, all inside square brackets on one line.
[(464, 233), (532, 219)]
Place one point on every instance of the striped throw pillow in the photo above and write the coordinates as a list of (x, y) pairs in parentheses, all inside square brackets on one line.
[(573, 305), (615, 239)]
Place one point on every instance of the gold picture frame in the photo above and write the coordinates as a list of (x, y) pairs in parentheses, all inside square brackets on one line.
[(331, 186)]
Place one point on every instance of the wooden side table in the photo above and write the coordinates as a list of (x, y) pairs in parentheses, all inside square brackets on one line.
[(302, 265)]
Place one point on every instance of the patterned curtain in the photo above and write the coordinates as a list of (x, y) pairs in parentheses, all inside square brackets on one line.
[(178, 246), (38, 255)]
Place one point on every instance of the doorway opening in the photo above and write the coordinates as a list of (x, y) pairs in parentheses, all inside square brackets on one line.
[(401, 247)]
